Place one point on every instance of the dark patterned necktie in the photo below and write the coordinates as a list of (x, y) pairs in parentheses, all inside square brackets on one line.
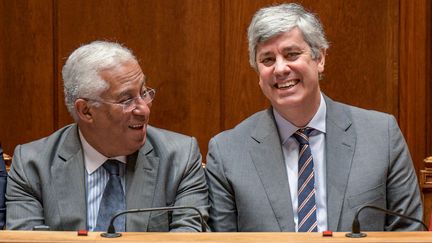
[(113, 199), (306, 209)]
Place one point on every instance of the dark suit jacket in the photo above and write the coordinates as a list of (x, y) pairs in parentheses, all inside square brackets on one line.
[(46, 184), (3, 176), (367, 162)]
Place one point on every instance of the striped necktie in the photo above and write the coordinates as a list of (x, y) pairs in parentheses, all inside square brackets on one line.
[(306, 209), (113, 199)]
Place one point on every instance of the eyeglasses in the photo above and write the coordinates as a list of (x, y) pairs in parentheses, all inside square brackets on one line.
[(130, 104)]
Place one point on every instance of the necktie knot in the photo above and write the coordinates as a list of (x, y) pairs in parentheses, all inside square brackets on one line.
[(302, 135), (112, 167)]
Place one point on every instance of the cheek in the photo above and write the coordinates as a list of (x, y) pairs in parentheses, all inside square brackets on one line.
[(113, 119), (264, 75), (117, 122), (262, 83)]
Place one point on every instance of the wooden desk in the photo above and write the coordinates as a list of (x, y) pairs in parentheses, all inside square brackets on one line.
[(46, 236)]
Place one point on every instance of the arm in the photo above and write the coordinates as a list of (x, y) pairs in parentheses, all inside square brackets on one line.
[(403, 195), (24, 208), (223, 211), (192, 191)]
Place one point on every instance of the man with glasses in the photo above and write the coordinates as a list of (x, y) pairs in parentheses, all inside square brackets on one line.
[(110, 159)]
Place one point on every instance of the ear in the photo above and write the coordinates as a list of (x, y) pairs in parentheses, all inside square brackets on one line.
[(321, 60), (260, 82), (83, 110)]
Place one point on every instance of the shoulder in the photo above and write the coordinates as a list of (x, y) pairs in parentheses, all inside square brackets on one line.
[(359, 117), (159, 135), (168, 141), (34, 160), (46, 145), (245, 128)]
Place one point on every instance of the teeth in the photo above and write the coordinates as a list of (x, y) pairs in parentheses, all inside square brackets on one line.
[(287, 84), (136, 126)]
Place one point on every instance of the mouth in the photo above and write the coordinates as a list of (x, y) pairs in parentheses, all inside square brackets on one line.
[(137, 126), (287, 85)]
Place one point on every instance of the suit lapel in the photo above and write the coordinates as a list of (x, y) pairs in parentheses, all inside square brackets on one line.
[(340, 146), (267, 156), (69, 191), (141, 177)]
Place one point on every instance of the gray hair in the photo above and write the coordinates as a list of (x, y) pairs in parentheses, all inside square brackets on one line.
[(272, 21), (81, 71)]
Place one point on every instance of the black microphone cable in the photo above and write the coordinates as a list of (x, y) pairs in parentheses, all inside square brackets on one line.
[(355, 231)]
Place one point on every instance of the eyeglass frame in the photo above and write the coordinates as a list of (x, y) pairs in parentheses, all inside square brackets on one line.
[(129, 102)]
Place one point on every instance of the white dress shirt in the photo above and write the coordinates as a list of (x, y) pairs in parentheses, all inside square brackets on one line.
[(96, 179), (290, 148)]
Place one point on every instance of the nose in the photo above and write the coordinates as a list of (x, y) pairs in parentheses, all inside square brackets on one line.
[(141, 107), (281, 67)]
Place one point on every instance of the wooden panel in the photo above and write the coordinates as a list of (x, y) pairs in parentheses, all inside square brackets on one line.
[(426, 47), (361, 65), (362, 62), (416, 90), (240, 91), (26, 71), (413, 90), (177, 43)]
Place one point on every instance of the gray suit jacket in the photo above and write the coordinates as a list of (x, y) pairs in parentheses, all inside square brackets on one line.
[(46, 184), (367, 162)]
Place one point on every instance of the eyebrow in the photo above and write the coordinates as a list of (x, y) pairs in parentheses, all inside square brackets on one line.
[(285, 49), (265, 54), (292, 48)]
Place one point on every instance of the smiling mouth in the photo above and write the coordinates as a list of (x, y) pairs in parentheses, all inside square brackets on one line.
[(136, 127), (287, 85)]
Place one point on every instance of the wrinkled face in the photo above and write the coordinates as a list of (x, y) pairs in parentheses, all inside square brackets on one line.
[(288, 76), (119, 132)]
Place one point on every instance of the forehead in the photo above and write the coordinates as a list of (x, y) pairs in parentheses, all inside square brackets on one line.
[(292, 39), (127, 72), (123, 79)]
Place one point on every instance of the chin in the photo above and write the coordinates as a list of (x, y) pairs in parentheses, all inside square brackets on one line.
[(140, 143), (288, 102)]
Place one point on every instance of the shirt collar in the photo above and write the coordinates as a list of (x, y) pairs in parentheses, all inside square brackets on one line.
[(287, 129), (92, 158)]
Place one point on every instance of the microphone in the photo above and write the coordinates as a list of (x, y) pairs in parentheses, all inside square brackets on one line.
[(355, 231), (111, 232)]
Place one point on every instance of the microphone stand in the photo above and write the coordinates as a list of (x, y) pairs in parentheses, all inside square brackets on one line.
[(111, 232), (355, 232)]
